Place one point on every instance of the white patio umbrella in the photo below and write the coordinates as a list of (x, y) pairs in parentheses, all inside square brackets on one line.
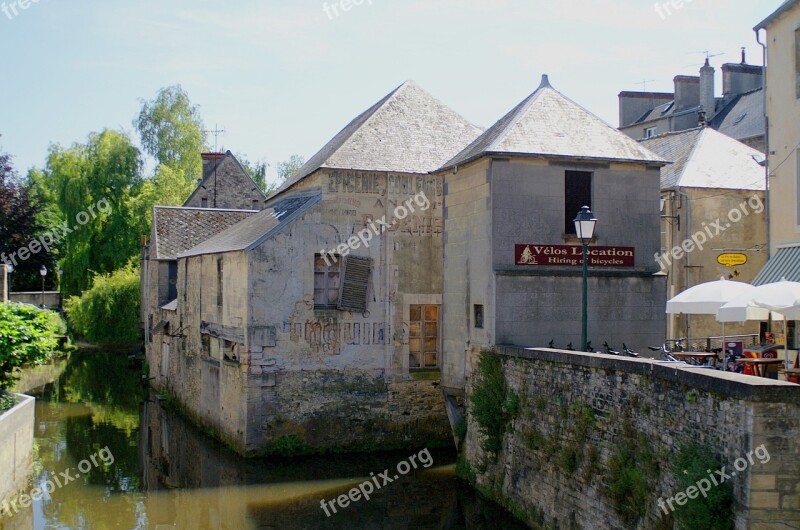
[(782, 298), (707, 299)]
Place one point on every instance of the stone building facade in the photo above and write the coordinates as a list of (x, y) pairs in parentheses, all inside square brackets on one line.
[(512, 275), (712, 181), (225, 184), (314, 325)]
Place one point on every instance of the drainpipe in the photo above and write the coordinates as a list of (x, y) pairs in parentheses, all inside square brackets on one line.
[(766, 138), (688, 264)]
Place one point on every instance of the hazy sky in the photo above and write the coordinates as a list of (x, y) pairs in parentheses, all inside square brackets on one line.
[(282, 77)]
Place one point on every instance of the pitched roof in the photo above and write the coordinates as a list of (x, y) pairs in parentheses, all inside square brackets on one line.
[(210, 170), (664, 110), (408, 131), (742, 117), (547, 123), (251, 232), (179, 229), (785, 7), (705, 158)]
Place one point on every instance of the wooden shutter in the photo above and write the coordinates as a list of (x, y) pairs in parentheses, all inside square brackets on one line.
[(355, 281)]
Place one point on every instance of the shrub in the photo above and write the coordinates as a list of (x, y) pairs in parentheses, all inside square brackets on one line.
[(492, 405), (6, 402), (27, 337), (108, 313), (714, 512)]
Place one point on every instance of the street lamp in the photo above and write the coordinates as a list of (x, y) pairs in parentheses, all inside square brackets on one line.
[(43, 272), (584, 229)]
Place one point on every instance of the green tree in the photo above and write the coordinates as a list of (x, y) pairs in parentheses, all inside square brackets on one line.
[(257, 171), (21, 223), (98, 188), (171, 130), (288, 168), (27, 337)]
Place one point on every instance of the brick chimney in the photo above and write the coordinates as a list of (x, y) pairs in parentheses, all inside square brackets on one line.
[(740, 78), (687, 92), (211, 157), (633, 105), (707, 99)]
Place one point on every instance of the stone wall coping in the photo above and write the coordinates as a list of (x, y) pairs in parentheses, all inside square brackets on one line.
[(22, 402), (728, 384)]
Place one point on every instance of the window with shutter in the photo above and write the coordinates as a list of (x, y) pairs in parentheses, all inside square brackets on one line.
[(355, 283), (327, 272)]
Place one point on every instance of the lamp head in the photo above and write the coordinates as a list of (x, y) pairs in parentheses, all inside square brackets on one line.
[(585, 223), (43, 271)]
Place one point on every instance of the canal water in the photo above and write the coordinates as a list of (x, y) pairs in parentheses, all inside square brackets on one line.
[(116, 456)]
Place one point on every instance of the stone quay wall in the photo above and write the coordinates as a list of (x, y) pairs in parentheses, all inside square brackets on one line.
[(578, 418)]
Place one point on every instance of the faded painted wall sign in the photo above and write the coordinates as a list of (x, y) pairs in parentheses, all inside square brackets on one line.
[(356, 182), (572, 256), (330, 336)]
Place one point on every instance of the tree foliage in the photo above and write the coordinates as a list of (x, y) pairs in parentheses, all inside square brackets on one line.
[(20, 223), (107, 168), (108, 313), (27, 337), (288, 168), (171, 130)]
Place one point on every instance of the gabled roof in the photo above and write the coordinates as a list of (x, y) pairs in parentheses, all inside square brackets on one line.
[(549, 124), (664, 110), (210, 169), (176, 230), (742, 117), (408, 131), (705, 158), (787, 6), (248, 234)]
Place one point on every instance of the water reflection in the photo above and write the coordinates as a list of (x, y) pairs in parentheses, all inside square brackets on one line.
[(167, 473)]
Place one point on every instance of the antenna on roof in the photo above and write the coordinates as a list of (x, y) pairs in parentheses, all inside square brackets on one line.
[(216, 132), (644, 84)]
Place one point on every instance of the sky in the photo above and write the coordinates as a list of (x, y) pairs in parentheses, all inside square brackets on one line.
[(283, 77)]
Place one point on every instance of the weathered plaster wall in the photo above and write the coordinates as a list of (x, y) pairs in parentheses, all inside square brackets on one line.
[(16, 449), (574, 411)]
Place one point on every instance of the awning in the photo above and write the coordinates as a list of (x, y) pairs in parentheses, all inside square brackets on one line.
[(783, 265), (158, 328)]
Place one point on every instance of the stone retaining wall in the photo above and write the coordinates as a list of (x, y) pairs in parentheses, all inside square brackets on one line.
[(576, 410), (16, 450)]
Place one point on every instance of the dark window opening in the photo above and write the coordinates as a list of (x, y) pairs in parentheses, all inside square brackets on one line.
[(577, 194), (327, 276), (204, 202), (478, 316), (172, 288), (220, 293)]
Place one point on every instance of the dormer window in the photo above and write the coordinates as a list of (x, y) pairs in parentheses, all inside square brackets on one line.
[(651, 132)]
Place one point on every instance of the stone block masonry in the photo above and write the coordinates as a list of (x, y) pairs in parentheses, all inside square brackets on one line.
[(577, 411), (16, 450)]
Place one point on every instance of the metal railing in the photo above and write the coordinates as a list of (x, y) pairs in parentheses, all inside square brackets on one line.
[(710, 343)]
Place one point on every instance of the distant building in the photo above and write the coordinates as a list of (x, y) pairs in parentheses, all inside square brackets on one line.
[(713, 187), (512, 260), (315, 323), (739, 113), (783, 91), (225, 184)]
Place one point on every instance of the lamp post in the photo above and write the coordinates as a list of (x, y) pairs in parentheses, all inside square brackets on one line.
[(584, 229), (43, 272)]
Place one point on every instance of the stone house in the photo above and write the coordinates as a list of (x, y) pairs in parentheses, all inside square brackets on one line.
[(225, 184), (738, 113), (512, 275), (314, 325), (782, 41), (222, 198), (712, 181)]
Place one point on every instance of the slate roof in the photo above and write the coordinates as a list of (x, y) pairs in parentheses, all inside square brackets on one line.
[(251, 232), (547, 123), (742, 117), (408, 131), (705, 158), (179, 229), (664, 110)]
